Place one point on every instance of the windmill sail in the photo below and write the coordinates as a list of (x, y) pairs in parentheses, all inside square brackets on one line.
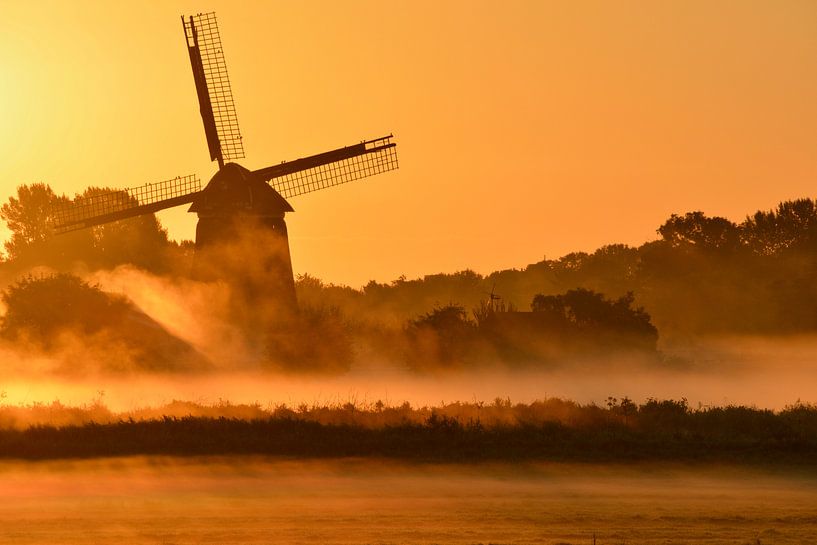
[(331, 168), (102, 208), (213, 88)]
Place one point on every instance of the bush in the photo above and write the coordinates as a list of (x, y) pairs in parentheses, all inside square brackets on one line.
[(443, 337), (89, 328), (316, 339), (40, 308)]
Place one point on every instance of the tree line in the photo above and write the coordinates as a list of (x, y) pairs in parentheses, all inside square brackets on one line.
[(579, 324), (701, 275)]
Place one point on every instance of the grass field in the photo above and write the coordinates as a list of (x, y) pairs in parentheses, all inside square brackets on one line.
[(550, 472), (254, 500)]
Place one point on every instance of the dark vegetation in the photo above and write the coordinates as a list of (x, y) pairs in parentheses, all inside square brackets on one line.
[(579, 323), (316, 340), (41, 311), (139, 241), (551, 429), (703, 276)]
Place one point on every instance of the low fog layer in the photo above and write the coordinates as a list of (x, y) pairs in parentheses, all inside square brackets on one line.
[(767, 384), (253, 500), (713, 311), (768, 372)]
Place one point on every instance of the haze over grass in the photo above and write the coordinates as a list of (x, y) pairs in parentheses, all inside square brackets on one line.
[(551, 429)]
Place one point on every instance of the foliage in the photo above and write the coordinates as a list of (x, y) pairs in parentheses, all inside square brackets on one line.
[(27, 216), (39, 308), (695, 228), (315, 340), (588, 312), (442, 337), (139, 241), (575, 324), (62, 313), (791, 226), (704, 275), (548, 429)]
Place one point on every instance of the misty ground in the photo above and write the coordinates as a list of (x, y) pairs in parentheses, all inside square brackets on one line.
[(715, 371), (763, 372), (767, 371), (280, 500), (257, 500)]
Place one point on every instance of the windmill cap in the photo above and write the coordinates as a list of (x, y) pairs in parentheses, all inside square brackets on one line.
[(235, 189)]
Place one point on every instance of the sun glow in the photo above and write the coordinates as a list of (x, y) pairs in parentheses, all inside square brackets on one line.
[(571, 113)]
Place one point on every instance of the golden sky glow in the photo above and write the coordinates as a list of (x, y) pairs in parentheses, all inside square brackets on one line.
[(524, 128)]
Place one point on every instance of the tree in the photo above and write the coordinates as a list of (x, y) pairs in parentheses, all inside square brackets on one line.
[(32, 242), (140, 241), (552, 305), (315, 340), (440, 337), (113, 333), (793, 224), (31, 304), (696, 229), (585, 312), (27, 216)]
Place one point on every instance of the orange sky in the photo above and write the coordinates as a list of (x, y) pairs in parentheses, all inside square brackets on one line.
[(524, 128)]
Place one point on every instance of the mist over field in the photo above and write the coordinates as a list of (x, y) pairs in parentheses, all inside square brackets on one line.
[(178, 395), (630, 394), (256, 500), (763, 371), (767, 383), (201, 355), (567, 298)]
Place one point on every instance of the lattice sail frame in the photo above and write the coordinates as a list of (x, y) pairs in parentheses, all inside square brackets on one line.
[(85, 212), (202, 35), (333, 168)]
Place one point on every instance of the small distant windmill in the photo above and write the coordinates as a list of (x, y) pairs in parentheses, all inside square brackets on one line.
[(235, 199), (493, 298)]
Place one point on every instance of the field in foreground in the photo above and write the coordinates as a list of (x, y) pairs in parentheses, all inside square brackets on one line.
[(351, 501)]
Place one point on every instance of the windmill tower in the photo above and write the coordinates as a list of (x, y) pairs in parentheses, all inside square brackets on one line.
[(241, 235)]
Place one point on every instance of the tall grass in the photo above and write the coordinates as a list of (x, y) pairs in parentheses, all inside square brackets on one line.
[(548, 429)]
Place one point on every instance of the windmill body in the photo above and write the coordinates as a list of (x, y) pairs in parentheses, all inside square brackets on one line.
[(241, 235)]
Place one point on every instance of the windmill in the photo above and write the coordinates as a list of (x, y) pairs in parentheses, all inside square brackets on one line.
[(492, 296), (237, 206)]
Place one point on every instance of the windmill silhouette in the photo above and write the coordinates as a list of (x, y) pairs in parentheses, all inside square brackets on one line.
[(493, 298), (238, 206)]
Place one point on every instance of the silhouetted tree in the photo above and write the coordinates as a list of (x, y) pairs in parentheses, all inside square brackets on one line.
[(32, 241), (703, 275), (696, 229), (793, 224), (440, 337), (315, 340), (41, 310), (40, 307), (140, 241), (602, 321), (27, 217)]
